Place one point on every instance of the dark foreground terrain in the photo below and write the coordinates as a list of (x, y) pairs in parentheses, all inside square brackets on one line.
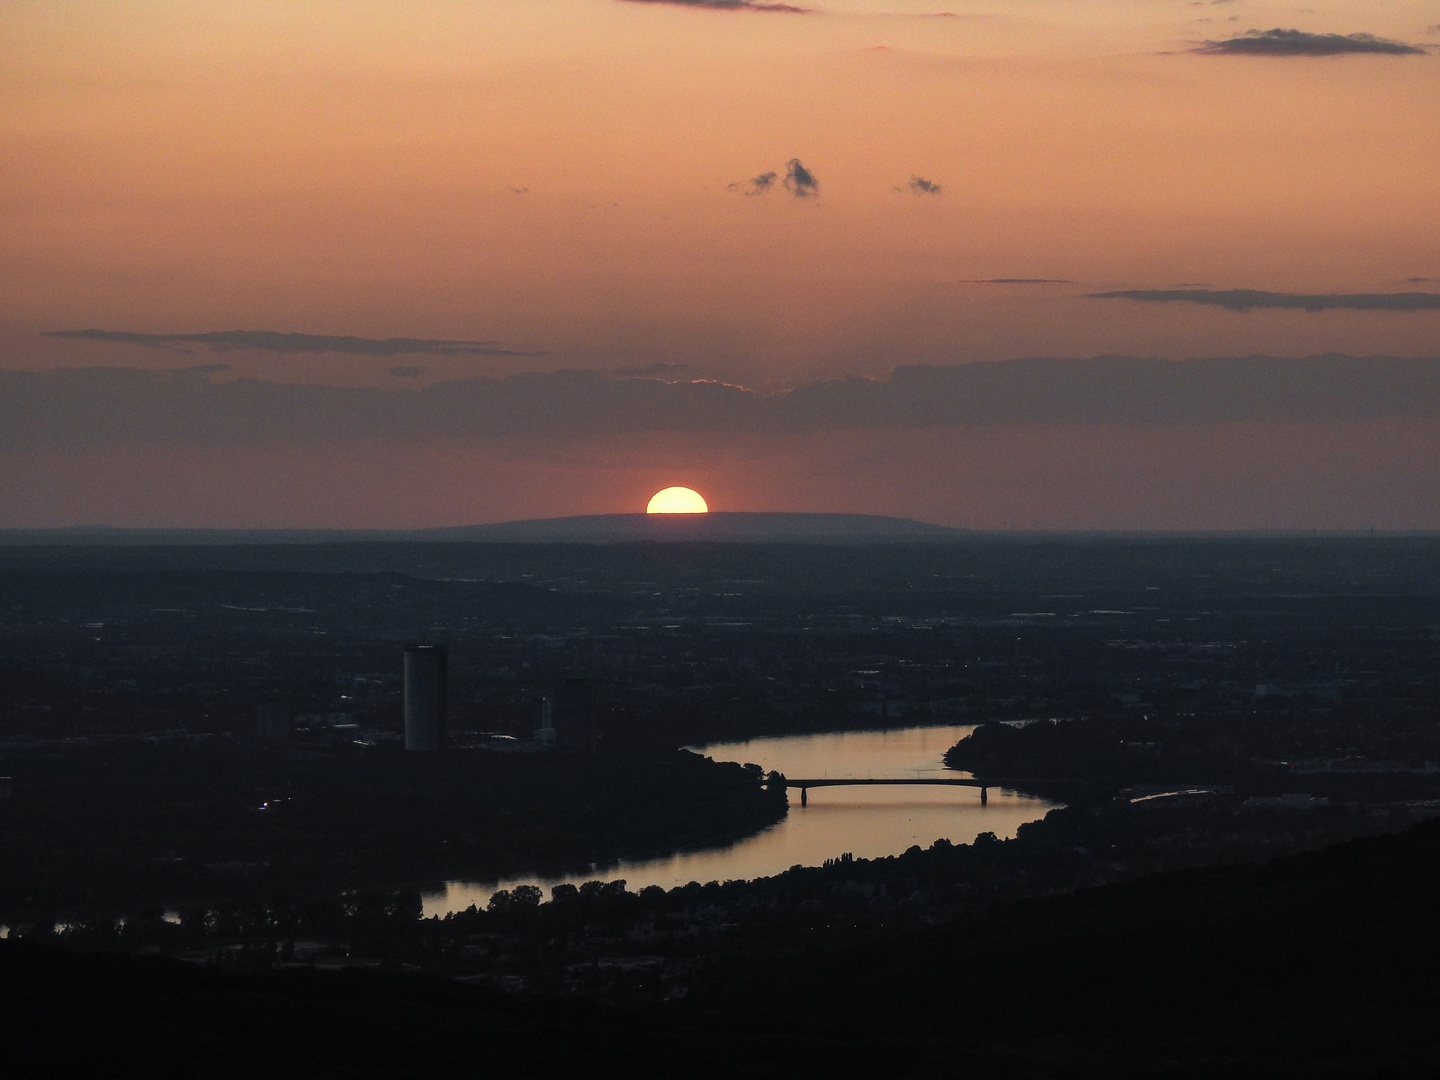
[(1316, 965), (1242, 881)]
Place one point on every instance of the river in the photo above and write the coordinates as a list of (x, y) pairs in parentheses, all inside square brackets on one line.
[(865, 821)]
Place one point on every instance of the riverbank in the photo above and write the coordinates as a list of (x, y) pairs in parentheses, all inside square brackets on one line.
[(224, 823)]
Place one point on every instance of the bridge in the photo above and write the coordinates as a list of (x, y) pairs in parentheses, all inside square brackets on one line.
[(938, 781)]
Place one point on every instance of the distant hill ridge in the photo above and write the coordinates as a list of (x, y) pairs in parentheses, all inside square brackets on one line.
[(715, 527)]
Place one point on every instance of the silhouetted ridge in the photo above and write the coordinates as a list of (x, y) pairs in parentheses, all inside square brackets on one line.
[(718, 526), (715, 526)]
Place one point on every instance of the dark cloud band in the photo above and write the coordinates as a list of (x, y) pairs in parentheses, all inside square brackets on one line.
[(1279, 42), (1254, 299), (273, 341), (97, 406)]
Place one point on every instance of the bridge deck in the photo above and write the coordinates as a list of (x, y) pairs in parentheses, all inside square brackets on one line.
[(942, 781)]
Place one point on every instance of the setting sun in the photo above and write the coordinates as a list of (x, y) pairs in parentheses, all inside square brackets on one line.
[(677, 500)]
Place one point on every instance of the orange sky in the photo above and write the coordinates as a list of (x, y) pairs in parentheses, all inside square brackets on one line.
[(556, 175)]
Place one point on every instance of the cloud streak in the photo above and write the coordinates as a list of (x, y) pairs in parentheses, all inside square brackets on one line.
[(191, 406), (1255, 299), (276, 342), (1279, 42), (732, 5)]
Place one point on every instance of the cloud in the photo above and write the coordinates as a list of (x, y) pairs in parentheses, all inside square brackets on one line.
[(759, 185), (1251, 299), (1279, 42), (920, 186), (1021, 281), (407, 372), (800, 181), (276, 342), (732, 5), (101, 406)]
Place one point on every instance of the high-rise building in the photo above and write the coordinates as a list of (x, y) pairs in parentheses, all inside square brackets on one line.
[(545, 733), (426, 697)]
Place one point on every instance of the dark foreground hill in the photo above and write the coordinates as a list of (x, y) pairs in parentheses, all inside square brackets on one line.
[(1319, 965)]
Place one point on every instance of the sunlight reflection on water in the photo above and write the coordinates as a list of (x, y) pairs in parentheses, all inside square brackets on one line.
[(866, 821)]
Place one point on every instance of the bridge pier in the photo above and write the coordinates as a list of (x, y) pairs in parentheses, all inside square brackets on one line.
[(984, 796), (804, 796)]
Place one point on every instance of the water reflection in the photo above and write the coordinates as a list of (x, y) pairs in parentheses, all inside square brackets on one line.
[(866, 821)]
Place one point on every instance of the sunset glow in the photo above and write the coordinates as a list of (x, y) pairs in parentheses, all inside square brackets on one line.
[(705, 200)]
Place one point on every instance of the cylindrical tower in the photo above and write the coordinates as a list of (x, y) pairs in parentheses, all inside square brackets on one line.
[(426, 680)]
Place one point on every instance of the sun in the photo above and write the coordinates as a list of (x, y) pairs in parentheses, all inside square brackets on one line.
[(677, 500)]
